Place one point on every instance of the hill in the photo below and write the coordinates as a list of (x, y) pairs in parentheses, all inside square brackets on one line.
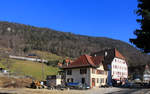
[(24, 38)]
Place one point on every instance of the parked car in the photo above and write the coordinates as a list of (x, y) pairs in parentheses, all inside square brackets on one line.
[(77, 86), (127, 85)]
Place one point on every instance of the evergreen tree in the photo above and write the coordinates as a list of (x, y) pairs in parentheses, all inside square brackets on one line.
[(142, 40)]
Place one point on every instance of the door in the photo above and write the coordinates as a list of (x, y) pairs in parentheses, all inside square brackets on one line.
[(93, 82), (83, 80)]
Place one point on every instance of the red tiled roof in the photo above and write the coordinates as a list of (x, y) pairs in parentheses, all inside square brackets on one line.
[(118, 54), (111, 54), (85, 61), (90, 60), (97, 59)]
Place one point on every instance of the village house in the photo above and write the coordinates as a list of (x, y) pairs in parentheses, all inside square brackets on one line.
[(115, 63), (146, 74), (87, 70)]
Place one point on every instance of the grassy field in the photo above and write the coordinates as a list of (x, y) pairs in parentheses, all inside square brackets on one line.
[(29, 68), (47, 55)]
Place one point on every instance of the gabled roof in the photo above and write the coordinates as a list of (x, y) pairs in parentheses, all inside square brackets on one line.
[(85, 61), (118, 54), (108, 58), (110, 52)]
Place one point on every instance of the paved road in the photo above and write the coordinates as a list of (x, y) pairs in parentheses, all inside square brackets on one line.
[(131, 91), (91, 91), (118, 91)]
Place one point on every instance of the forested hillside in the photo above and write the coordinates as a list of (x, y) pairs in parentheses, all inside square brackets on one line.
[(24, 38)]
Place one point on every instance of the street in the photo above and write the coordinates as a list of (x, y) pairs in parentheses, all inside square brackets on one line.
[(90, 91)]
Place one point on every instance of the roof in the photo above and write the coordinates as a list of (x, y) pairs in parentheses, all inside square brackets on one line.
[(108, 58), (113, 52), (85, 61), (66, 61), (118, 54)]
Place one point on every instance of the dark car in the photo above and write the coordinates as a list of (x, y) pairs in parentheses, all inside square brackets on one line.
[(127, 85), (77, 86)]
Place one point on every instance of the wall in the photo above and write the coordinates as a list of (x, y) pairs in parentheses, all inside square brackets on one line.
[(88, 76), (119, 69), (98, 77), (77, 76), (58, 80)]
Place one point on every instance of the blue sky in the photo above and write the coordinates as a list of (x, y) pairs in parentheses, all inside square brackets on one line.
[(102, 18)]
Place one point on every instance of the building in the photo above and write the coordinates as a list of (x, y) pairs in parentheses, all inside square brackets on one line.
[(115, 63), (146, 74), (87, 70), (54, 80)]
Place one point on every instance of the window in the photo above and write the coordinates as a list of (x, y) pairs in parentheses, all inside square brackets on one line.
[(100, 72), (93, 71), (123, 73), (83, 80), (53, 77), (69, 72), (70, 80), (97, 80), (83, 71), (101, 80)]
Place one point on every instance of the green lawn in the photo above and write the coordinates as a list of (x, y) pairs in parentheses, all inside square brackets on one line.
[(33, 69), (47, 55), (30, 68)]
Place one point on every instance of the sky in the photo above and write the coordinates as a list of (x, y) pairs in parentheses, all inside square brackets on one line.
[(100, 18)]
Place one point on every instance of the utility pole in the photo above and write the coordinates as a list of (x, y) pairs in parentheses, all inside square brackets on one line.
[(41, 43), (8, 41), (42, 69)]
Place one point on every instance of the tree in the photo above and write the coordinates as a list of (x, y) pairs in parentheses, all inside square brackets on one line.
[(142, 40)]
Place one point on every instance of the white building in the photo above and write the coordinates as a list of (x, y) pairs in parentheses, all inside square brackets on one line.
[(86, 70), (114, 63), (119, 69), (146, 74)]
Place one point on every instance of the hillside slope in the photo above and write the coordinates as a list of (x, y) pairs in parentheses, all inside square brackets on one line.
[(23, 38)]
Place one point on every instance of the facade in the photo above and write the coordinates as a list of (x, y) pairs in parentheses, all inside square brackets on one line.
[(146, 74), (119, 69), (54, 80), (87, 70), (115, 64)]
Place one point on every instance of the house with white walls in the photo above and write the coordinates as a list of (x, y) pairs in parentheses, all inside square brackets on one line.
[(87, 70), (146, 74), (115, 63)]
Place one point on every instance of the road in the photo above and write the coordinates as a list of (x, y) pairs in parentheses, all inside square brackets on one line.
[(91, 91), (118, 91), (132, 91)]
